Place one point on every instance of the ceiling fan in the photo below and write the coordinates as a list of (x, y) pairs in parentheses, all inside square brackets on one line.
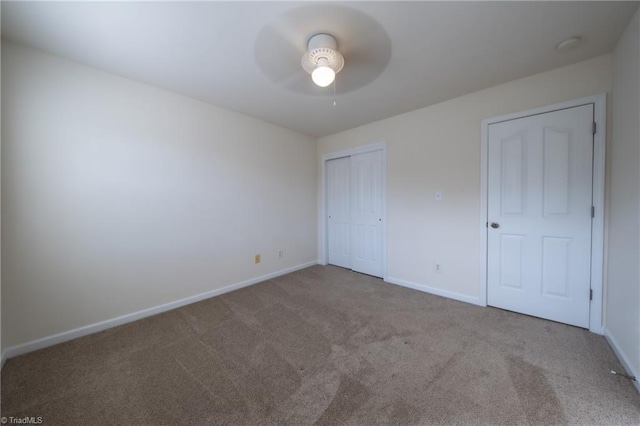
[(322, 60), (330, 39)]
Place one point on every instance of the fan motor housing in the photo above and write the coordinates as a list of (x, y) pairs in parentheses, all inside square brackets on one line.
[(322, 47), (322, 40)]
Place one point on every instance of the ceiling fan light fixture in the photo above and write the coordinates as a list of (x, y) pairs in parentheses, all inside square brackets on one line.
[(322, 59), (323, 75)]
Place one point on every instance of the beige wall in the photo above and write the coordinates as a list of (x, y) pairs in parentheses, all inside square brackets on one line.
[(623, 293), (119, 197), (438, 147)]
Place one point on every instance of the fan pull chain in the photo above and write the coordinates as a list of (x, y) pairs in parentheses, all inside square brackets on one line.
[(335, 102)]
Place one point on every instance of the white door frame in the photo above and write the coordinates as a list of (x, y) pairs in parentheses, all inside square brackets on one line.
[(597, 225), (323, 230)]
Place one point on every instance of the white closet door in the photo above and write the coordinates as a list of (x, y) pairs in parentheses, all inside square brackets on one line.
[(539, 211), (367, 213), (339, 211)]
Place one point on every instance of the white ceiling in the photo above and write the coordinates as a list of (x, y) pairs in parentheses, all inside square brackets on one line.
[(245, 56)]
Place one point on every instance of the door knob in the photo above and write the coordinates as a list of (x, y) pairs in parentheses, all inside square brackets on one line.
[(495, 225)]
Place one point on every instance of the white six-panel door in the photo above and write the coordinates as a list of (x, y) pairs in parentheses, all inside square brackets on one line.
[(539, 215), (366, 213), (355, 212), (339, 211)]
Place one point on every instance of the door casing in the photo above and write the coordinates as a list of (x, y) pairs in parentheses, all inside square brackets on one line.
[(597, 235), (323, 246)]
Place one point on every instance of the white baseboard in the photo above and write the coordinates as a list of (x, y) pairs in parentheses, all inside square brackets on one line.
[(436, 291), (622, 357), (114, 322)]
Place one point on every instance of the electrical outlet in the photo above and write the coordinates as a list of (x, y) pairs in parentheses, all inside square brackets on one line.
[(256, 258), (280, 254), (438, 268)]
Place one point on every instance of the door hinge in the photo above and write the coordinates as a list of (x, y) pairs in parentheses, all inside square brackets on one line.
[(590, 294), (594, 127), (487, 224), (593, 211)]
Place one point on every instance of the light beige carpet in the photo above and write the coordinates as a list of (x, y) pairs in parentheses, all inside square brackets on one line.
[(325, 346)]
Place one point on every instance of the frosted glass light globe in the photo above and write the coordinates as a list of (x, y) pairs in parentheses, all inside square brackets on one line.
[(323, 76)]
